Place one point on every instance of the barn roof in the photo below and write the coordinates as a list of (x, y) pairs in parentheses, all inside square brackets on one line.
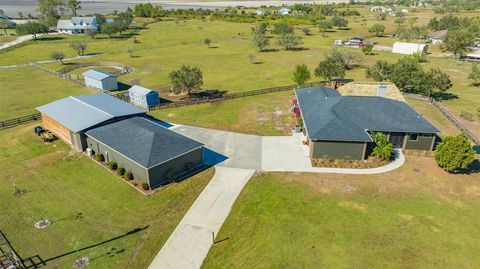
[(97, 74), (78, 113), (347, 118), (438, 34), (140, 90), (143, 141)]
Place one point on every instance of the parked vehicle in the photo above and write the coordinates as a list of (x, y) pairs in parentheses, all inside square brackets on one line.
[(338, 42)]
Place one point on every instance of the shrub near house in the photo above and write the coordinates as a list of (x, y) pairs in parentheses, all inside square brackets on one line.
[(454, 153)]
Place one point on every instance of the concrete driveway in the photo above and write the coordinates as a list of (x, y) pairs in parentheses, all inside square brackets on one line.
[(241, 150)]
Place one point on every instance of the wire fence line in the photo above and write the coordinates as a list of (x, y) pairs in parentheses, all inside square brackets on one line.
[(452, 118)]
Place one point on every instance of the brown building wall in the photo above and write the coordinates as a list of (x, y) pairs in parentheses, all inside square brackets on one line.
[(57, 129)]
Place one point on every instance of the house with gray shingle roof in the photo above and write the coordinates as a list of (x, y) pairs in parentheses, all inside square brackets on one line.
[(77, 25), (340, 127)]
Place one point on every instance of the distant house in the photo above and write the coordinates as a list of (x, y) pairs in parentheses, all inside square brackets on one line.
[(437, 37), (409, 48), (378, 9), (143, 97), (340, 127), (100, 80), (260, 12), (77, 25), (101, 124), (284, 11)]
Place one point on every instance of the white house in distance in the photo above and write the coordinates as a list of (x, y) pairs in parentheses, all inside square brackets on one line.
[(437, 37), (284, 11), (100, 80), (143, 97), (77, 25), (409, 48)]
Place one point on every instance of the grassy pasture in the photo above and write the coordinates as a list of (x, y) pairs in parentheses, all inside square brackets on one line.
[(415, 217), (91, 209), (22, 89)]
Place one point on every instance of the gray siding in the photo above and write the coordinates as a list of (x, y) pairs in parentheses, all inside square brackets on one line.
[(337, 150), (422, 143), (157, 173), (140, 173), (78, 140)]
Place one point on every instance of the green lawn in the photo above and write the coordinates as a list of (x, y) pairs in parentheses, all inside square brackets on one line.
[(89, 206), (415, 217), (432, 114), (23, 89), (165, 46), (264, 115)]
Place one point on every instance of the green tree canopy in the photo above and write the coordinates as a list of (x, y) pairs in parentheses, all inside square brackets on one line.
[(301, 74), (475, 74), (73, 6), (6, 24), (186, 79), (380, 71), (377, 29), (454, 153), (324, 25), (57, 56), (457, 41), (330, 69), (79, 47), (339, 22), (289, 41), (282, 28), (31, 28), (260, 40)]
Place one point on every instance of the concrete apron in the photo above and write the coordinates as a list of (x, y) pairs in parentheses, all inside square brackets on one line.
[(191, 240)]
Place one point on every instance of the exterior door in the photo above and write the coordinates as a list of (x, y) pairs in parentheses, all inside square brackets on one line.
[(397, 139)]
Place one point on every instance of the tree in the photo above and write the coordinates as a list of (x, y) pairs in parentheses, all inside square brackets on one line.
[(32, 28), (367, 49), (437, 81), (79, 47), (109, 29), (282, 28), (57, 56), (347, 59), (324, 25), (186, 79), (407, 74), (260, 40), (457, 41), (339, 22), (301, 74), (6, 24), (129, 50), (475, 74), (454, 153), (207, 41), (260, 29), (381, 16), (289, 41), (380, 71), (377, 29), (73, 5), (50, 11), (91, 33), (382, 149), (306, 31), (330, 69)]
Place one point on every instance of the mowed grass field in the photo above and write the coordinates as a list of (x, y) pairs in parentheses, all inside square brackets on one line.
[(91, 209), (22, 89), (165, 46), (415, 217)]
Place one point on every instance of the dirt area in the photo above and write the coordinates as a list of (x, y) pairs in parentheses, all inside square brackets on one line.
[(418, 174), (371, 162), (371, 89)]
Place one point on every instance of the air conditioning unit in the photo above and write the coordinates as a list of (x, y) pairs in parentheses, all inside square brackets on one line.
[(90, 152)]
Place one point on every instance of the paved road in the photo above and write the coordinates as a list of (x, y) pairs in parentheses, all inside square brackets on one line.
[(189, 244)]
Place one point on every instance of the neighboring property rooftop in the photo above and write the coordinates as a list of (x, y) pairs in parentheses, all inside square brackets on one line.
[(143, 141), (438, 35), (371, 89), (140, 90), (96, 74), (78, 23), (334, 117), (78, 113)]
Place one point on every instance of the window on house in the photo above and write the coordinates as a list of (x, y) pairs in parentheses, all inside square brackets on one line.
[(413, 137), (426, 135)]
